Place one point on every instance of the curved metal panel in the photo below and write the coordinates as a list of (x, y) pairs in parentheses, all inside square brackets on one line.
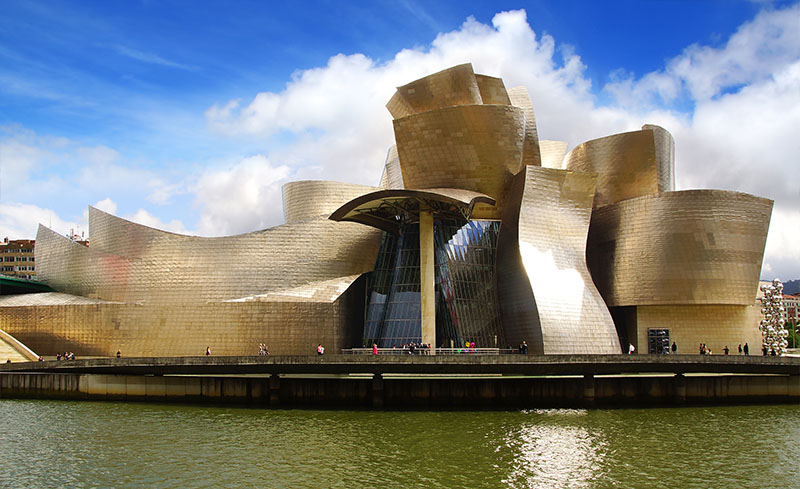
[(474, 147), (553, 153), (136, 263), (628, 165), (492, 90), (307, 199), (388, 209), (392, 174), (559, 309), (531, 154), (453, 86), (687, 247)]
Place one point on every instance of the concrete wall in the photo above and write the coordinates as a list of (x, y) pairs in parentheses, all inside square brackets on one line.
[(410, 392)]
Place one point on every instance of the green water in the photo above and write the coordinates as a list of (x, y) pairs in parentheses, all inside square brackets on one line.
[(98, 444)]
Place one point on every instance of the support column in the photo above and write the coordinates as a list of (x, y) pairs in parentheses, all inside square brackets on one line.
[(427, 283), (377, 391), (274, 390), (679, 385), (588, 390)]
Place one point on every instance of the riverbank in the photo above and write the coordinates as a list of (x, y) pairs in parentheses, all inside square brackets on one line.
[(513, 381)]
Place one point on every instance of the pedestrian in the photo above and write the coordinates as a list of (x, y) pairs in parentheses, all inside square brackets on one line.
[(631, 349), (320, 349), (674, 348), (725, 350), (119, 353), (208, 351), (746, 350), (740, 348), (374, 348)]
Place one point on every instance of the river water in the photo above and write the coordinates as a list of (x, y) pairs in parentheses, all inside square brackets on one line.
[(76, 444)]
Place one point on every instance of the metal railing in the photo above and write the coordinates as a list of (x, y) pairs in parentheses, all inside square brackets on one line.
[(426, 351)]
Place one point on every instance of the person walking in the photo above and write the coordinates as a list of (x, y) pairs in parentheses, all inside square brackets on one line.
[(726, 350), (524, 348), (740, 348), (674, 348), (208, 351), (746, 350), (374, 348), (631, 349), (320, 349)]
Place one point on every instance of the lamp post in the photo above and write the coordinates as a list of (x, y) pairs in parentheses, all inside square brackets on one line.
[(773, 332)]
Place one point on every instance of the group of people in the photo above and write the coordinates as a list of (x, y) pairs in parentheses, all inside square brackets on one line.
[(263, 350), (67, 355), (705, 350)]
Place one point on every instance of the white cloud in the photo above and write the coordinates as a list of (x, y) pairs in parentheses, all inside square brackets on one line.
[(241, 198), (143, 217), (20, 221), (739, 137), (106, 205)]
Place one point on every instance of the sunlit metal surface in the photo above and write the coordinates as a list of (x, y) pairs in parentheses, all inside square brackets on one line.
[(688, 247), (307, 199), (392, 174), (553, 153), (447, 88), (546, 294), (530, 153), (627, 165)]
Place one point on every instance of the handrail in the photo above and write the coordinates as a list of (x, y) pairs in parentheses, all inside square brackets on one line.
[(426, 351)]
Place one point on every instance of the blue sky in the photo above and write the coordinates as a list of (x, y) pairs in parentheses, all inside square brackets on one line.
[(189, 116)]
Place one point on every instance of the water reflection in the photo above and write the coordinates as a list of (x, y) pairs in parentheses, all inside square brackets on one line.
[(96, 444), (547, 455)]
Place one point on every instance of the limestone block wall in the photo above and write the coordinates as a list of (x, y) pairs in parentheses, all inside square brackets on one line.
[(690, 325)]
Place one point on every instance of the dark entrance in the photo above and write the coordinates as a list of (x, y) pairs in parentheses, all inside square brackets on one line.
[(658, 341)]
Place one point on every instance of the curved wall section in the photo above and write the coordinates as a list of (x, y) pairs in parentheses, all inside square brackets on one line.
[(473, 147), (627, 165), (551, 231), (688, 247), (135, 263), (307, 199), (453, 86)]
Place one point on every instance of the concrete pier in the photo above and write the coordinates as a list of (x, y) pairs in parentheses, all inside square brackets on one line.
[(514, 381)]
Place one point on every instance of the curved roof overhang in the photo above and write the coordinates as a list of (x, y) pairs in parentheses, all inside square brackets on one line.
[(388, 209)]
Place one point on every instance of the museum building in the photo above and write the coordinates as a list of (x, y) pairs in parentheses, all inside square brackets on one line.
[(477, 232)]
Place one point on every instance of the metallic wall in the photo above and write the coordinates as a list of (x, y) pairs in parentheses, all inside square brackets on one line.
[(453, 86), (392, 174), (530, 154), (288, 325), (133, 263), (628, 165), (313, 198), (688, 247), (560, 300), (290, 286), (474, 147), (553, 153), (714, 325)]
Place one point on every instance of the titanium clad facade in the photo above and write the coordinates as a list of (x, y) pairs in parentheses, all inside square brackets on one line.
[(550, 240), (688, 247), (307, 199), (474, 147), (553, 153), (447, 88), (516, 227), (627, 165)]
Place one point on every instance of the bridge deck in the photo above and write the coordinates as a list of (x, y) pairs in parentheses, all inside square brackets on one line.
[(465, 364)]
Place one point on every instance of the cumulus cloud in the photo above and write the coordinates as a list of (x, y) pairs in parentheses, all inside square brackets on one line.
[(329, 122), (739, 135), (20, 221), (243, 197)]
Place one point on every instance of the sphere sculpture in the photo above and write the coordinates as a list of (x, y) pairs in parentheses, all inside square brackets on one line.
[(773, 333)]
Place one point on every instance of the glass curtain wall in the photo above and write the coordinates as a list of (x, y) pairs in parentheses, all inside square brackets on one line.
[(466, 301)]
